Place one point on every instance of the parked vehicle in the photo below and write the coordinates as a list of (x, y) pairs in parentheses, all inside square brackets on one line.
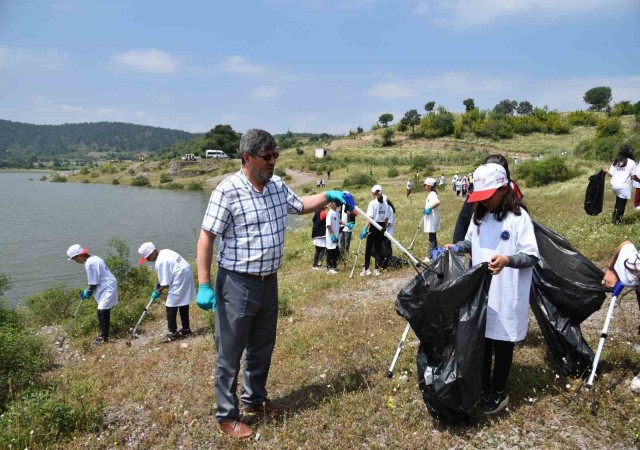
[(215, 154)]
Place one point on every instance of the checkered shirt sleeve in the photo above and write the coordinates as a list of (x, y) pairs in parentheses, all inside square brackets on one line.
[(250, 224)]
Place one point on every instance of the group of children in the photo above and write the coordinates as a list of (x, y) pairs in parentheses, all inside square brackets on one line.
[(174, 275), (462, 185)]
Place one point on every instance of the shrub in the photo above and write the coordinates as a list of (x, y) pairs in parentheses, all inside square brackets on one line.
[(543, 172), (556, 124), (527, 125), (421, 163), (582, 118), (194, 186), (299, 151), (165, 178), (392, 172), (494, 126), (84, 171), (94, 175), (609, 127), (44, 419), (140, 180), (437, 124), (131, 172), (358, 180), (280, 172), (387, 137), (57, 178), (115, 181), (86, 181), (623, 108), (172, 185)]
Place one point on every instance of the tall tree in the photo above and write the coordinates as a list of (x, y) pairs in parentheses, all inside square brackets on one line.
[(598, 98), (428, 107), (411, 118), (222, 137), (506, 107), (469, 105), (385, 118), (524, 108)]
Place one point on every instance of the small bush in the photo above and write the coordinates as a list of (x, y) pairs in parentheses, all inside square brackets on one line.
[(392, 172), (421, 163), (280, 172), (44, 419), (546, 171), (84, 171), (299, 151), (86, 181), (94, 175), (556, 124), (140, 180), (131, 172), (165, 178), (194, 186), (358, 180), (57, 178), (172, 185), (115, 181), (609, 127), (582, 118)]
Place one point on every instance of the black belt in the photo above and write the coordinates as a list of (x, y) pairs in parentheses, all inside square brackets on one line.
[(269, 277)]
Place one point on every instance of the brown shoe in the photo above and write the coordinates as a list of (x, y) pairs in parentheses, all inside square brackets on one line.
[(236, 429), (267, 408)]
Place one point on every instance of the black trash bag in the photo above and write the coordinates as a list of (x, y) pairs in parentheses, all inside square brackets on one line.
[(565, 290), (385, 253), (449, 318), (594, 196)]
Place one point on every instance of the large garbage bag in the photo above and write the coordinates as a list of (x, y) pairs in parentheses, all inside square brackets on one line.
[(594, 195), (566, 289), (448, 315)]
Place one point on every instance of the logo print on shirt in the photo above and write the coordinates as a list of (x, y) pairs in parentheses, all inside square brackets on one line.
[(505, 235)]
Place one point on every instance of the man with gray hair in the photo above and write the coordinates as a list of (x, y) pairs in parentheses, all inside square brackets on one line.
[(248, 210)]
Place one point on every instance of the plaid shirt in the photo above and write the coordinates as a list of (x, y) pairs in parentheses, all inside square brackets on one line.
[(250, 224)]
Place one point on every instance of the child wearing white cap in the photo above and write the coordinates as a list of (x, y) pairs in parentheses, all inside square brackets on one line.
[(379, 212), (431, 214), (500, 233), (175, 275), (103, 286), (625, 267)]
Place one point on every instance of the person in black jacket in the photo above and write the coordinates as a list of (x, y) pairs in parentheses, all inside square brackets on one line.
[(464, 217), (318, 231)]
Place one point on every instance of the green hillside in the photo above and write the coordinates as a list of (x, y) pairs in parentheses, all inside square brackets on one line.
[(21, 144)]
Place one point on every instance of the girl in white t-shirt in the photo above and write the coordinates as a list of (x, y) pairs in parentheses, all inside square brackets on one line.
[(500, 233), (625, 267), (331, 238), (431, 214), (622, 172)]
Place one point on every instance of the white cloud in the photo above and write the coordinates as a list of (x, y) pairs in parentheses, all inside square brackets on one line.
[(473, 13), (73, 109), (147, 60), (390, 91), (240, 65), (266, 92), (16, 57)]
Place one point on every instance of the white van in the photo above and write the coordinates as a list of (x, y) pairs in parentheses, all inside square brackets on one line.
[(215, 154)]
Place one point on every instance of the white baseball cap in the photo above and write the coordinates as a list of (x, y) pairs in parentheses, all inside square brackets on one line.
[(145, 250), (76, 250), (487, 179), (430, 181), (377, 188)]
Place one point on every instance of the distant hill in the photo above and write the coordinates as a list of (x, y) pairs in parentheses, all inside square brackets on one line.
[(20, 141)]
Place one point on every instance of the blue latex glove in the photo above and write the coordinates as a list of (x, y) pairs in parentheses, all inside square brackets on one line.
[(86, 294), (364, 233), (350, 225), (155, 295), (206, 298), (427, 211), (334, 238), (436, 252), (339, 198)]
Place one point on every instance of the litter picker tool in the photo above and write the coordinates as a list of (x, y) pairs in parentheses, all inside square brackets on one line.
[(403, 339), (144, 313), (413, 241), (60, 342), (614, 297), (355, 258)]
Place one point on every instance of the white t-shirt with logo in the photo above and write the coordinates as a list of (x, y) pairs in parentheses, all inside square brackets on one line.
[(333, 221), (508, 308), (379, 212), (628, 259), (621, 179), (175, 272), (98, 274), (432, 221)]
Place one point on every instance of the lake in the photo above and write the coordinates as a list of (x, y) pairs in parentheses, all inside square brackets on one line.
[(39, 220)]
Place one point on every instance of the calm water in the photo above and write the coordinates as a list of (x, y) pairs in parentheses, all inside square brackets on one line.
[(40, 220)]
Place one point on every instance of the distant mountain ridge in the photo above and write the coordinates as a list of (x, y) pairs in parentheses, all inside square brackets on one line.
[(76, 140)]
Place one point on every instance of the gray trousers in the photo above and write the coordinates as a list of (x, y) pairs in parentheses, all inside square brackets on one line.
[(246, 322)]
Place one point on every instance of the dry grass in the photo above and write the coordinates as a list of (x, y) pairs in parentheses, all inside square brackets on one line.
[(333, 351)]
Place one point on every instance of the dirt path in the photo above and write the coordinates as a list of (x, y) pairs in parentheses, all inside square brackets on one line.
[(299, 178)]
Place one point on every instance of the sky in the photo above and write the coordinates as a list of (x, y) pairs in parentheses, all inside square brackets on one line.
[(305, 65)]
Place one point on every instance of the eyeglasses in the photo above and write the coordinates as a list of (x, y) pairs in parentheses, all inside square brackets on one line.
[(269, 156)]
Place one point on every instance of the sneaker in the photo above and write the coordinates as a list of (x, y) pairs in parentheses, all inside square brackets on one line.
[(494, 403), (635, 384), (100, 340), (366, 272), (172, 336), (376, 273), (332, 271), (184, 332)]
